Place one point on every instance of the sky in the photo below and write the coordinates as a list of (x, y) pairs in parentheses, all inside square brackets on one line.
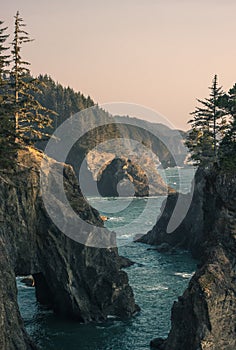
[(162, 54)]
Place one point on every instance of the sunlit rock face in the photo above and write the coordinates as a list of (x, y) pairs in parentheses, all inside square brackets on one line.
[(123, 177)]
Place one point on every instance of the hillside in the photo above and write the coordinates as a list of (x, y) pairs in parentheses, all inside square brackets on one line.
[(166, 143)]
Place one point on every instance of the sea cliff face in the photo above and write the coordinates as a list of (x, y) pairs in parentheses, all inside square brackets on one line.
[(190, 234), (76, 281), (204, 318)]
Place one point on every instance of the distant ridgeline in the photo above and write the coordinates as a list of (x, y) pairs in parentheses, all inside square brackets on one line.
[(66, 102)]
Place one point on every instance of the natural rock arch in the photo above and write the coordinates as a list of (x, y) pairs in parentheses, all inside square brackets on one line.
[(116, 176)]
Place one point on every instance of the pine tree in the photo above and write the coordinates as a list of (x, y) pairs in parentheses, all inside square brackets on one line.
[(228, 143), (31, 119), (207, 122), (7, 132), (4, 57)]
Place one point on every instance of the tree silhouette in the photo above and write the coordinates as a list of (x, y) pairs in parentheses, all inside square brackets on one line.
[(207, 121), (31, 119), (7, 131)]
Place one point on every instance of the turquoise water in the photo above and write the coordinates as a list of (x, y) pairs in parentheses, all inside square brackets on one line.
[(178, 178), (157, 280)]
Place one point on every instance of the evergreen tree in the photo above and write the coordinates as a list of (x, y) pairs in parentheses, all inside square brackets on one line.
[(30, 117), (64, 101), (207, 126), (4, 57), (7, 132), (228, 143)]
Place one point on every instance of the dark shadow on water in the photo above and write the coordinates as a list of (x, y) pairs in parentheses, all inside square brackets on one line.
[(157, 280)]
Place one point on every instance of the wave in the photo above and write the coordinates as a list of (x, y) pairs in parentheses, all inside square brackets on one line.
[(175, 167), (155, 288), (127, 235), (21, 285), (184, 274), (116, 218), (95, 199)]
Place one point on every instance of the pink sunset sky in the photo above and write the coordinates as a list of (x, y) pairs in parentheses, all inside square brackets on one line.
[(162, 54)]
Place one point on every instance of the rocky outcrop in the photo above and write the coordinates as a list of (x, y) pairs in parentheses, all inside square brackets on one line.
[(12, 332), (75, 280), (122, 177), (189, 234), (100, 138), (204, 318), (28, 281)]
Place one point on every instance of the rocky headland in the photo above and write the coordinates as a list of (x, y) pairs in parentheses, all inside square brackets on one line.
[(76, 281), (189, 234), (204, 317)]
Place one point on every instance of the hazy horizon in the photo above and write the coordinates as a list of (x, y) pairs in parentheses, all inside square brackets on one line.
[(162, 55)]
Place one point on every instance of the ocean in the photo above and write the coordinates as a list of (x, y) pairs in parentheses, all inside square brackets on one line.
[(157, 280)]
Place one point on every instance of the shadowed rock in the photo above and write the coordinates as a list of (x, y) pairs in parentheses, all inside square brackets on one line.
[(76, 281), (28, 281), (122, 177), (189, 234), (204, 317)]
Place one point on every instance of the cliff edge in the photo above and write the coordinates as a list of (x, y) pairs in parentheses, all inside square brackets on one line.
[(76, 281), (204, 317)]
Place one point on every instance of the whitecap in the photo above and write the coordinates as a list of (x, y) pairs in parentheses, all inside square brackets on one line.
[(184, 274), (128, 235), (155, 288), (111, 317), (24, 286), (116, 218)]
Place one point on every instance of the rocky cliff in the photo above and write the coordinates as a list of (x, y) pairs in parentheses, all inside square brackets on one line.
[(204, 318), (123, 177), (76, 281), (189, 234), (101, 146)]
